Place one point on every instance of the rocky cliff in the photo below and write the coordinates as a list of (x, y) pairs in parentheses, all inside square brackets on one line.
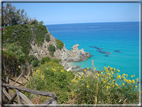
[(74, 55)]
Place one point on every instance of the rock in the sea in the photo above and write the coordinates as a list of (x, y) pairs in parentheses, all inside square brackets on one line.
[(117, 51), (74, 55)]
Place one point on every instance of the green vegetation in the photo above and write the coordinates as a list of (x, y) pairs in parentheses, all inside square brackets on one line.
[(51, 77), (12, 16), (31, 58), (12, 57), (104, 87), (20, 35), (60, 44), (40, 34), (45, 59), (35, 62), (22, 30), (51, 48), (47, 37)]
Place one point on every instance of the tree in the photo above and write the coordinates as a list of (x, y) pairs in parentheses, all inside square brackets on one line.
[(41, 23), (11, 16), (13, 56)]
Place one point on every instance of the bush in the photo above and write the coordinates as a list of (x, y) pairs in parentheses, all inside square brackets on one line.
[(51, 48), (56, 60), (31, 58), (35, 62), (49, 76), (60, 44), (40, 34), (45, 59), (47, 37)]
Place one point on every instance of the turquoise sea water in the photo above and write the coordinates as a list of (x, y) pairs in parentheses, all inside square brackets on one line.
[(122, 36)]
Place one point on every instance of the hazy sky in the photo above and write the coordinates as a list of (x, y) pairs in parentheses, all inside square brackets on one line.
[(60, 13)]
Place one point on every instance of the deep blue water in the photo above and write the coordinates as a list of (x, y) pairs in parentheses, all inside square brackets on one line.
[(122, 36)]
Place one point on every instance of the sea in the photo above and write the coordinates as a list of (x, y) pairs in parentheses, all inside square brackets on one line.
[(120, 39)]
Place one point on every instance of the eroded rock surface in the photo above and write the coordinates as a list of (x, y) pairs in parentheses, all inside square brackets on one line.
[(74, 55)]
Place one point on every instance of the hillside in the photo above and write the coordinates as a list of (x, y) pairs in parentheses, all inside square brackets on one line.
[(36, 40)]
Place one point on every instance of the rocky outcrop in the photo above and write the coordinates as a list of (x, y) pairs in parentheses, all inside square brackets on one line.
[(66, 56), (42, 51), (74, 55)]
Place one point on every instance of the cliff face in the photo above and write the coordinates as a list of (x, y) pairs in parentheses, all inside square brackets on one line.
[(74, 55), (42, 51)]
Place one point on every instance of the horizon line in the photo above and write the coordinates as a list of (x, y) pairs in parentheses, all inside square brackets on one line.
[(89, 22)]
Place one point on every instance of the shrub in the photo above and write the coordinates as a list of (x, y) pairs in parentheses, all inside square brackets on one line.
[(31, 58), (45, 59), (35, 62), (60, 44), (40, 34), (49, 76), (56, 60), (105, 87), (51, 48), (47, 37)]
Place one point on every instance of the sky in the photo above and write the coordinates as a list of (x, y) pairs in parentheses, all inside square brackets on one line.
[(64, 13)]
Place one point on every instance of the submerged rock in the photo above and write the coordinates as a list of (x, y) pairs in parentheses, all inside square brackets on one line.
[(117, 51)]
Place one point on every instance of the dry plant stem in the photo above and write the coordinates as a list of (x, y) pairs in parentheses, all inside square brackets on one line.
[(125, 101), (96, 93)]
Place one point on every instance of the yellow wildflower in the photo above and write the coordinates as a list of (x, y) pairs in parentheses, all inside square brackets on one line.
[(127, 75), (87, 86), (135, 86), (133, 81), (114, 69), (124, 74), (72, 80), (108, 66), (122, 83), (119, 76), (53, 69), (101, 73), (79, 78), (88, 68), (62, 70), (112, 85), (84, 69), (118, 70), (95, 68), (107, 87), (129, 81)]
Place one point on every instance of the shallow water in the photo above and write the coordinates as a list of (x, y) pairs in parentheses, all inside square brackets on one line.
[(122, 36)]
